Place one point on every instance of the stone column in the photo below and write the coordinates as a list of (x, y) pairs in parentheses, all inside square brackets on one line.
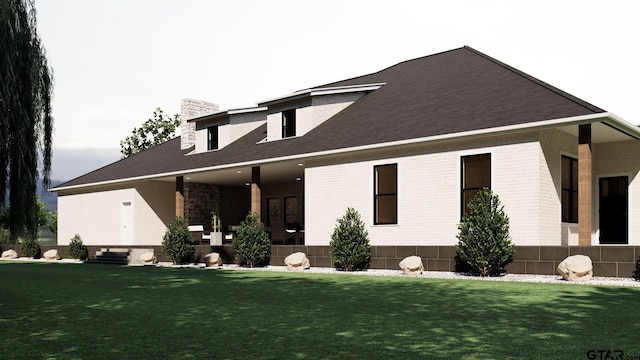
[(584, 185), (255, 190), (180, 196)]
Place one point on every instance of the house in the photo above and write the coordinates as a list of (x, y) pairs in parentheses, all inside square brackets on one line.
[(406, 146)]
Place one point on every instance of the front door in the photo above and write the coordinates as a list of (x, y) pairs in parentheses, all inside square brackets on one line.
[(126, 223), (614, 219)]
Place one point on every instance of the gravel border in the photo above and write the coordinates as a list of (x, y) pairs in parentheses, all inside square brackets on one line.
[(552, 279)]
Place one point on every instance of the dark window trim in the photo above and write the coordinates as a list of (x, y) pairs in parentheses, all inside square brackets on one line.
[(212, 141), (289, 123), (463, 205), (377, 195), (572, 216)]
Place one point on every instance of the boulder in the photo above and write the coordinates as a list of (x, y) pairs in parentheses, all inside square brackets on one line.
[(412, 265), (576, 268), (9, 254), (213, 259), (297, 261), (51, 255), (147, 258)]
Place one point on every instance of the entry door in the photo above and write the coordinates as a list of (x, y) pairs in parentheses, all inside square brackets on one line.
[(614, 219), (126, 223)]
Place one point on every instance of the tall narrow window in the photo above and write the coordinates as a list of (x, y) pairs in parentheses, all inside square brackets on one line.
[(476, 175), (569, 189), (289, 123), (386, 194), (212, 138)]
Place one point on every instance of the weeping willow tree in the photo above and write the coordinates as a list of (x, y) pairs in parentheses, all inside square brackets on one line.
[(26, 123)]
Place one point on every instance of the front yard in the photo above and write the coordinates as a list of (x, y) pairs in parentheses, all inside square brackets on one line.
[(70, 311)]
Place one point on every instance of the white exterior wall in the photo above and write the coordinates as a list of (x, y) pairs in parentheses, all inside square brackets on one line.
[(96, 216), (274, 126), (619, 159), (428, 195), (554, 144)]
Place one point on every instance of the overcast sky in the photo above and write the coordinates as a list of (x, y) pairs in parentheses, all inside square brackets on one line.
[(115, 61)]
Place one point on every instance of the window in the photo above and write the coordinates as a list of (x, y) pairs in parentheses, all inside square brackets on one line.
[(386, 194), (569, 189), (289, 123), (212, 138), (476, 175)]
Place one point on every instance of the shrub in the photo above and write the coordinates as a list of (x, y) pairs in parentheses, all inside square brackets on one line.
[(30, 247), (349, 247), (636, 274), (484, 242), (77, 250), (5, 238), (177, 243), (251, 244)]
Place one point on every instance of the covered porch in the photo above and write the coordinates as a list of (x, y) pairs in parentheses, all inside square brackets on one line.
[(275, 191)]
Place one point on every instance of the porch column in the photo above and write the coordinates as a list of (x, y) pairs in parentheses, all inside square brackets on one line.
[(584, 185), (255, 190), (180, 196)]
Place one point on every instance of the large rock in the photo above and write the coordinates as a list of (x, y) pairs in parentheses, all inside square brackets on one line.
[(412, 265), (9, 254), (51, 255), (297, 261), (148, 258), (213, 259), (576, 268)]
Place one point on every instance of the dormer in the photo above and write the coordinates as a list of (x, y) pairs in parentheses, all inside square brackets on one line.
[(217, 130), (296, 114)]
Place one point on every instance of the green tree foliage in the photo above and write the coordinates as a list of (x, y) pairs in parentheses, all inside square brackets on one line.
[(251, 244), (26, 122), (349, 246), (153, 132), (484, 242), (77, 249), (178, 243), (44, 219)]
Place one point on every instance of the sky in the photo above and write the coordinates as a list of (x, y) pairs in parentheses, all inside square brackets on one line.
[(116, 61)]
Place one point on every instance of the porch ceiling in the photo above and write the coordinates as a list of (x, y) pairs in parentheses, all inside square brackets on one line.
[(600, 133), (285, 172)]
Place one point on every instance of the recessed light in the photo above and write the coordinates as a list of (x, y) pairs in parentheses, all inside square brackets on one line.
[(188, 178), (247, 184), (301, 164), (298, 178), (238, 172)]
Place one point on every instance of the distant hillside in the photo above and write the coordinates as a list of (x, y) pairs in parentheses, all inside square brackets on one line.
[(49, 198)]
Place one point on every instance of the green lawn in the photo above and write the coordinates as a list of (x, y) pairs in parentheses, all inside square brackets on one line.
[(67, 311)]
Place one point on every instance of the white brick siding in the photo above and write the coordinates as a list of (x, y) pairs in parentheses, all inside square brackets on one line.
[(428, 194)]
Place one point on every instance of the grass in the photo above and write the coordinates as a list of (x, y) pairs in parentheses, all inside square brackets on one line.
[(67, 311)]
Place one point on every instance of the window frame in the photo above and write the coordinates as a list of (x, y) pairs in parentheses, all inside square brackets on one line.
[(377, 195), (213, 140), (572, 190), (288, 123), (463, 189)]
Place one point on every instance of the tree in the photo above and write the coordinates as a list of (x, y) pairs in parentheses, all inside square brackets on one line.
[(251, 244), (26, 122), (153, 132), (484, 242), (178, 243), (349, 246)]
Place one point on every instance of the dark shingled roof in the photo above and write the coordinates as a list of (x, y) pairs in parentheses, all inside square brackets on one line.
[(450, 92)]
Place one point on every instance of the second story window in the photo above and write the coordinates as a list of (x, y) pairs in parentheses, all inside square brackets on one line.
[(212, 138), (289, 123)]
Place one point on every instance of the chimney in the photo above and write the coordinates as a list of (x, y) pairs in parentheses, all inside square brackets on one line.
[(189, 109)]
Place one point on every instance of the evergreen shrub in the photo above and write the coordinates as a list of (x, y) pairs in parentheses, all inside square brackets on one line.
[(636, 273), (29, 247), (177, 243), (251, 244), (349, 247), (76, 249), (484, 242)]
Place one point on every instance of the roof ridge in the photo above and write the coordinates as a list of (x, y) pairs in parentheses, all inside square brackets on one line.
[(537, 81)]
